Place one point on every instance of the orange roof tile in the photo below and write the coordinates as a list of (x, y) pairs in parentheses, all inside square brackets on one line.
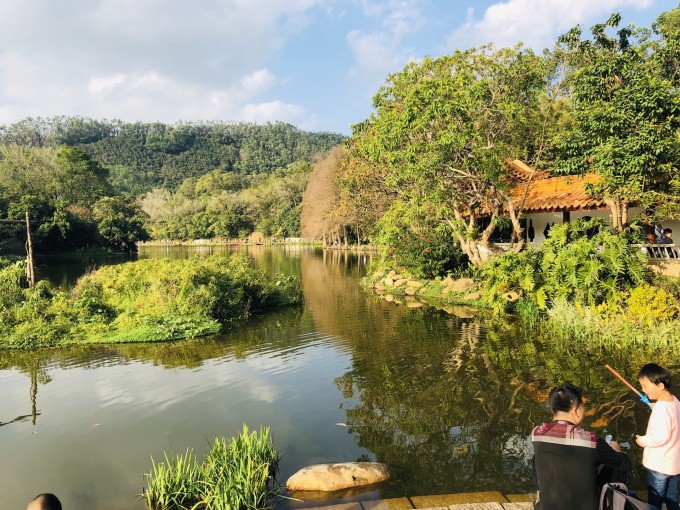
[(560, 193), (521, 172)]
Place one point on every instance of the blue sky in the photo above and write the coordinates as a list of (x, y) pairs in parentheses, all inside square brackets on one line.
[(313, 63)]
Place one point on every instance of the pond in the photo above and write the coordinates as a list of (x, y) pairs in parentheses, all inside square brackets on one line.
[(446, 398)]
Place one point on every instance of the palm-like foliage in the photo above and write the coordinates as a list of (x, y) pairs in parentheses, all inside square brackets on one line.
[(581, 261)]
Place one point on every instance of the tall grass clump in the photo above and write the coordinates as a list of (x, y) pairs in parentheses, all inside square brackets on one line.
[(142, 301), (174, 483), (611, 328), (239, 474)]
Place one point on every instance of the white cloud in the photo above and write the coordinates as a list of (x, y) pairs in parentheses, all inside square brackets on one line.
[(105, 84), (379, 53), (142, 59), (534, 22), (259, 81), (375, 55), (285, 112)]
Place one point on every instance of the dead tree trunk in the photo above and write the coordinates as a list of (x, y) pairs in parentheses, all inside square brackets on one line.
[(30, 267)]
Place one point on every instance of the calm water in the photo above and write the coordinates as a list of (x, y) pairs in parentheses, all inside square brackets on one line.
[(444, 398)]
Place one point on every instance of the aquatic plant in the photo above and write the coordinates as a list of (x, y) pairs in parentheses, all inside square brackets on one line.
[(239, 474), (173, 483), (142, 301)]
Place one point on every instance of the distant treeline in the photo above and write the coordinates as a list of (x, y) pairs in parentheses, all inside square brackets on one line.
[(109, 183), (142, 156)]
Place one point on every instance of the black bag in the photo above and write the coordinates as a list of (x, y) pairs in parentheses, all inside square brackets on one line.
[(616, 496)]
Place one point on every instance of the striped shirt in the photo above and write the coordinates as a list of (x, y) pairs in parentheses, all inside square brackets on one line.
[(566, 461)]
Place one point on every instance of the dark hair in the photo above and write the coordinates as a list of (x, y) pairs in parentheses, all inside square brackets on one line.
[(655, 374), (565, 398), (48, 501), (667, 231)]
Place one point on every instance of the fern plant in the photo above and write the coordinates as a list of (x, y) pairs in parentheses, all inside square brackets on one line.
[(582, 261)]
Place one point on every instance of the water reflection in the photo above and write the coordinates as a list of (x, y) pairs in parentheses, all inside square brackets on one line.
[(447, 399)]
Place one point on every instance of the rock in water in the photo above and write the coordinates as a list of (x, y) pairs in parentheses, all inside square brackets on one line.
[(333, 477)]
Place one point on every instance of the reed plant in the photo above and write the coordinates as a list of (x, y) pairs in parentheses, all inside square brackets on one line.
[(239, 474), (174, 483), (610, 329)]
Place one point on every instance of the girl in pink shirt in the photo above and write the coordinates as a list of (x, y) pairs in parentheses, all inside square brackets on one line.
[(661, 442)]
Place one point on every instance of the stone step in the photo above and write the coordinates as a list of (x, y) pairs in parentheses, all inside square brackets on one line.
[(490, 500)]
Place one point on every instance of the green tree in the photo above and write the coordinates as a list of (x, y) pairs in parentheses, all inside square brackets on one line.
[(625, 112), (442, 129), (120, 223)]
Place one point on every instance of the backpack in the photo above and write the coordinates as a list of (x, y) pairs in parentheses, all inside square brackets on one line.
[(616, 496)]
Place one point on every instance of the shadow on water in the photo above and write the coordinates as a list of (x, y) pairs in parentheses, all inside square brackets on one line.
[(448, 402)]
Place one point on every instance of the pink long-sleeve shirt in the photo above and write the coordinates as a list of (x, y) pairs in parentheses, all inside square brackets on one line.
[(662, 439)]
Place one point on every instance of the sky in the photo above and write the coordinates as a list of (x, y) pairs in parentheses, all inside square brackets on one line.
[(315, 64)]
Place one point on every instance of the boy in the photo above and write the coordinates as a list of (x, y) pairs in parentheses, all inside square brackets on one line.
[(661, 442)]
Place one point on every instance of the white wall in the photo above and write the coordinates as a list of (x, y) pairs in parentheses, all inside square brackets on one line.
[(539, 221)]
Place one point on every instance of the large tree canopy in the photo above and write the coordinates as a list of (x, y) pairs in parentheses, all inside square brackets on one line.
[(625, 112), (442, 128)]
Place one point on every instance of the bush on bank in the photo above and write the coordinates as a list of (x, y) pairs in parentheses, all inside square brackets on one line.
[(142, 301), (238, 474), (583, 284)]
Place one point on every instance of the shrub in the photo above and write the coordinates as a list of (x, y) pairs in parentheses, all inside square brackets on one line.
[(143, 301), (582, 261), (648, 304), (419, 244), (12, 278), (512, 272)]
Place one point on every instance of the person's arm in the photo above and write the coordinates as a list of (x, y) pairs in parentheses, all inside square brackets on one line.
[(658, 429), (612, 458)]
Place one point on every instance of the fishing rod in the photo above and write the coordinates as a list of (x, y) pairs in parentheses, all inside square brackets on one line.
[(642, 396)]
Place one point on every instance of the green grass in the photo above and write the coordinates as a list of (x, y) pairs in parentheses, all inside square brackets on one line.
[(238, 474)]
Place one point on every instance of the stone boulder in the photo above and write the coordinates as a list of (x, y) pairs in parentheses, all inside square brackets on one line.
[(333, 477), (462, 284), (448, 281)]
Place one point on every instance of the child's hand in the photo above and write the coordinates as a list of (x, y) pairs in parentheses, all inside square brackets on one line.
[(615, 446), (637, 440)]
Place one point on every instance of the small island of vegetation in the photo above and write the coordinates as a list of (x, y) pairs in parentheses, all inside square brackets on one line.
[(141, 301)]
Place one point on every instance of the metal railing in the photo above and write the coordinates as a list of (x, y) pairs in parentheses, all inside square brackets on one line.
[(661, 251)]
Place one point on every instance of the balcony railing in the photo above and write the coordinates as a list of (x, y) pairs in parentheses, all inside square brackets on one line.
[(661, 251)]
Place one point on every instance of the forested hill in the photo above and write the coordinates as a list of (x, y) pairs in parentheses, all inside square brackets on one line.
[(142, 156)]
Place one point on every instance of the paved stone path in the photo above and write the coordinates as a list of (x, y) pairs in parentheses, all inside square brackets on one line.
[(491, 500)]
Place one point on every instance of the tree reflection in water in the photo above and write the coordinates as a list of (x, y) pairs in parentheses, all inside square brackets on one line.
[(457, 416), (448, 401)]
